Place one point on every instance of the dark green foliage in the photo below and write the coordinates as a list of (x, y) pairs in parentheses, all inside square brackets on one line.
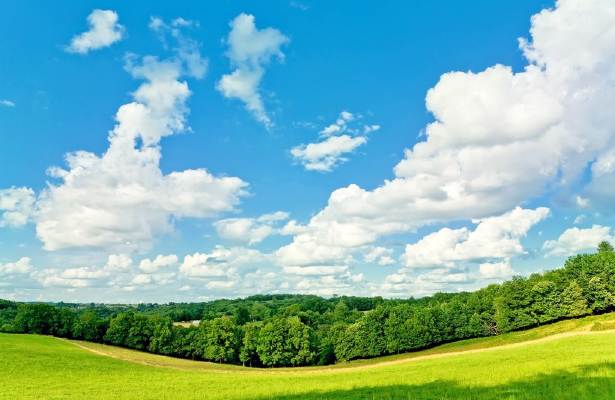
[(293, 330), (130, 330), (89, 326), (8, 311), (35, 318)]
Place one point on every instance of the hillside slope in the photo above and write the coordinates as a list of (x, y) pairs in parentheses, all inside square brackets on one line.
[(566, 360)]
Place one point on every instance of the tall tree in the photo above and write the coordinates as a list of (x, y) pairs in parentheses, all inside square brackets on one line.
[(221, 340), (248, 353), (605, 247)]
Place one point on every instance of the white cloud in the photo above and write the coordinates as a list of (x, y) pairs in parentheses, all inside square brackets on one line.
[(340, 125), (340, 138), (160, 262), (575, 240), (292, 227), (118, 272), (499, 270), (220, 262), (250, 230), (17, 206), (104, 30), (380, 255), (19, 267), (451, 259), (7, 103), (79, 277), (582, 202), (276, 216), (316, 270), (152, 279), (188, 50), (404, 284), (330, 285), (118, 262), (221, 285), (579, 219), (324, 156), (250, 50), (121, 199), (494, 237)]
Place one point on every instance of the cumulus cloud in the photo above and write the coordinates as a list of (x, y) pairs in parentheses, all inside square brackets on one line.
[(494, 237), (121, 199), (340, 138), (454, 258), (250, 50), (324, 156), (104, 30), (380, 255), (499, 270), (78, 277), (118, 262), (575, 240), (17, 206), (160, 262), (250, 230), (19, 267), (119, 272), (330, 285), (403, 284), (499, 138), (221, 265)]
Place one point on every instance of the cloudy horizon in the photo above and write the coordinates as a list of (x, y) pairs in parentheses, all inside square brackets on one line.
[(188, 155)]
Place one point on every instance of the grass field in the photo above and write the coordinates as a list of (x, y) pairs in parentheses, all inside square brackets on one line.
[(567, 360)]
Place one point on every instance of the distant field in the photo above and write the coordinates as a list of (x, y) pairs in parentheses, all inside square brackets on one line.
[(567, 360)]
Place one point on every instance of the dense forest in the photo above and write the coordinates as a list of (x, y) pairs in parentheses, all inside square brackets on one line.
[(295, 330)]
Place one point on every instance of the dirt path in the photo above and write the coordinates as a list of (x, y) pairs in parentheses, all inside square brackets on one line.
[(190, 365)]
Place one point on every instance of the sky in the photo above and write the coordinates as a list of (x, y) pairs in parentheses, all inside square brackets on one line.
[(187, 152)]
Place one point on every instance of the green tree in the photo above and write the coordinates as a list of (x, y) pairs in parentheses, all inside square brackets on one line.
[(396, 329), (34, 318), (546, 302), (605, 247), (341, 312), (163, 336), (249, 343), (130, 330), (573, 302), (301, 342), (285, 342), (88, 326), (62, 324), (600, 298), (221, 338)]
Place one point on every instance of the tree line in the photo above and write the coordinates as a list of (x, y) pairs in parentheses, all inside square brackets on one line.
[(297, 330)]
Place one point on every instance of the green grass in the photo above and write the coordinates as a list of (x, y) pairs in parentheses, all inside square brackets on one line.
[(570, 366)]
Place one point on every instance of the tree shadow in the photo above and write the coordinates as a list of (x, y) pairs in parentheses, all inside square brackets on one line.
[(595, 381)]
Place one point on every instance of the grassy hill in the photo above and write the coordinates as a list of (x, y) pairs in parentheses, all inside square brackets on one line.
[(572, 359)]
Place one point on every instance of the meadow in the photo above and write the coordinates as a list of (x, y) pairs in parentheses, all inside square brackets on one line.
[(573, 359)]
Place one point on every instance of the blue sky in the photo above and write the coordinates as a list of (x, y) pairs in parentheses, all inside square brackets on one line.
[(252, 192)]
